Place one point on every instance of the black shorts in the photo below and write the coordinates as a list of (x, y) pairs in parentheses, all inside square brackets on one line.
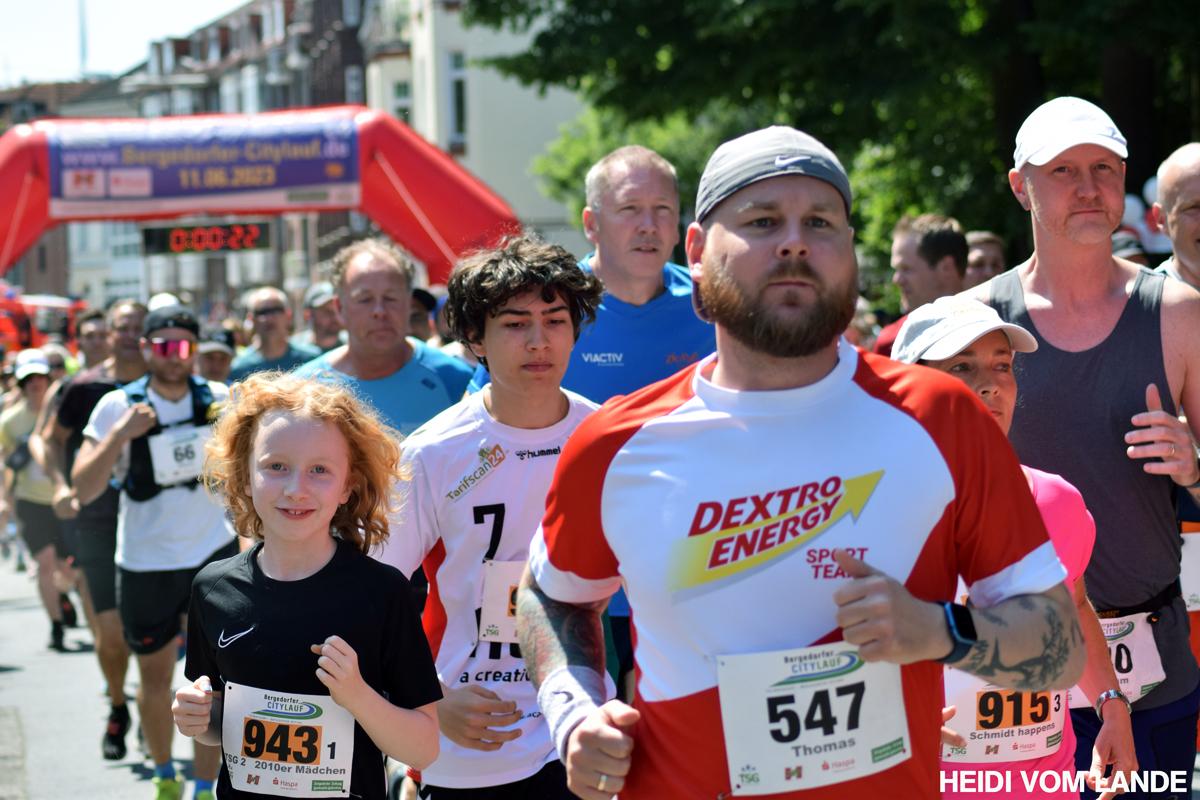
[(548, 783), (153, 603), (40, 528), (95, 551)]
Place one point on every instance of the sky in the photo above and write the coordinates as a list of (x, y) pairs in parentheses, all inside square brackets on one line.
[(39, 39)]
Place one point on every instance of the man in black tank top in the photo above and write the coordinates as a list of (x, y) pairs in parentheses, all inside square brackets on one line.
[(1100, 403)]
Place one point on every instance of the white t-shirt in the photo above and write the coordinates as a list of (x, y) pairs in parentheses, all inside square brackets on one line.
[(178, 528), (477, 493)]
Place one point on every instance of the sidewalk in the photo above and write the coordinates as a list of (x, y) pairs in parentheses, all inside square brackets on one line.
[(53, 711)]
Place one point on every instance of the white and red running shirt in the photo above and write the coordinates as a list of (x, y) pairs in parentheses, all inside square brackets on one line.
[(718, 510), (476, 493)]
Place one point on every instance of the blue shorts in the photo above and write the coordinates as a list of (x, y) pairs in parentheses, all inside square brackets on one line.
[(1165, 738)]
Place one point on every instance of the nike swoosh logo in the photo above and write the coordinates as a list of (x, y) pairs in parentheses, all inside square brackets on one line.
[(224, 641), (785, 161), (567, 696)]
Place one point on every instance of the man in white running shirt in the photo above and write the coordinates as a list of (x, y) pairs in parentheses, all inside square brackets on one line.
[(479, 475)]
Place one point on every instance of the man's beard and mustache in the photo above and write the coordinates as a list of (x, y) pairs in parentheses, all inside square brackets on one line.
[(769, 331)]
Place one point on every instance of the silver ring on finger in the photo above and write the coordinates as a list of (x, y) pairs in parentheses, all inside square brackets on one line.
[(603, 783), (1171, 452)]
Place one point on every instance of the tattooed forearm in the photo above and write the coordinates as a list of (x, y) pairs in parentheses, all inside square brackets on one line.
[(554, 634), (1029, 642)]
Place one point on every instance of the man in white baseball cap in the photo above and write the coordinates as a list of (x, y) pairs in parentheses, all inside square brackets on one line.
[(1120, 339)]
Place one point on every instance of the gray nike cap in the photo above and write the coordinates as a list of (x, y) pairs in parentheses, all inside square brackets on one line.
[(763, 154)]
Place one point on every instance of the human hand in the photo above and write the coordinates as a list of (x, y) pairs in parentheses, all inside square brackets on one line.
[(887, 623), (1163, 436), (951, 737), (192, 708), (1114, 745), (65, 505), (600, 750), (137, 421), (337, 668), (470, 717)]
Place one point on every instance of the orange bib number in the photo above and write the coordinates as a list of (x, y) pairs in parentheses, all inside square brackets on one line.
[(282, 742)]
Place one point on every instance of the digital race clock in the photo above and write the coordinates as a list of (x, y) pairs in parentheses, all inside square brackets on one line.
[(222, 237)]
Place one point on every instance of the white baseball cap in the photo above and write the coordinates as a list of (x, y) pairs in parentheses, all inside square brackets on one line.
[(31, 362), (947, 326), (1062, 123)]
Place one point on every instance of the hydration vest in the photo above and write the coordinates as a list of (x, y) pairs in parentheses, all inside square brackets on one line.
[(139, 482)]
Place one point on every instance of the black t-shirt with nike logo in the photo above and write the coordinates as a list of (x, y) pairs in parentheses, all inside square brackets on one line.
[(255, 631)]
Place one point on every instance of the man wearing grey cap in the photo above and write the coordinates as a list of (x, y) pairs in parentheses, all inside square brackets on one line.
[(1119, 336), (789, 518), (324, 330)]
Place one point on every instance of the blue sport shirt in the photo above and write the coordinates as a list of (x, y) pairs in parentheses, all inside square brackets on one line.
[(428, 384)]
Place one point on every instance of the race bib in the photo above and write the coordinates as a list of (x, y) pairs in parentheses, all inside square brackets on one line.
[(1134, 655), (1002, 724), (286, 744), (178, 453), (498, 619), (814, 716), (1189, 570)]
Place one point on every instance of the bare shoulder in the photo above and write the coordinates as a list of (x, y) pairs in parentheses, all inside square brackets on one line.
[(1180, 307)]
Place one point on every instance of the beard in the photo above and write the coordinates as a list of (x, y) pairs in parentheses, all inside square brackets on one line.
[(764, 329)]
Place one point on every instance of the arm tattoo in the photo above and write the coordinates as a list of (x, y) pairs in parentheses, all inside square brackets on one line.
[(1058, 637), (554, 634)]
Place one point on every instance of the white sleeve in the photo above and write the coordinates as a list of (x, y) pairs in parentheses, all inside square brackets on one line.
[(413, 526), (106, 415)]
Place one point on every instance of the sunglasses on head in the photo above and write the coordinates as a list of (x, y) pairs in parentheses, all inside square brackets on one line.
[(269, 311), (172, 348)]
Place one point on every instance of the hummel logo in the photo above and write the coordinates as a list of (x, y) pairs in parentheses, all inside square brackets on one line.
[(223, 641), (788, 161)]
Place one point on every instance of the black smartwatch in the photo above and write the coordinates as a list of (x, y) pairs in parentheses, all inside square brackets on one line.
[(961, 627)]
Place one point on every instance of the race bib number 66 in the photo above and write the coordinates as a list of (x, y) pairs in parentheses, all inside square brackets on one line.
[(799, 719)]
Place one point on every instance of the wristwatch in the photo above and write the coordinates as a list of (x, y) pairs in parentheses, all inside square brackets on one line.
[(1111, 694), (961, 627)]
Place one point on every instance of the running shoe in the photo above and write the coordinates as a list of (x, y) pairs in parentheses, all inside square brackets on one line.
[(168, 788), (57, 637), (113, 743)]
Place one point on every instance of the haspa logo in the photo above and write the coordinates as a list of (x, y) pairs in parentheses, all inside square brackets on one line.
[(729, 536), (489, 459)]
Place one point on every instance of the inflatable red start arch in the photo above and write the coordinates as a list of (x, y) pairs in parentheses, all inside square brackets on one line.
[(322, 159)]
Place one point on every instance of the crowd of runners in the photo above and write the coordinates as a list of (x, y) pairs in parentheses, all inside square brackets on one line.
[(619, 526)]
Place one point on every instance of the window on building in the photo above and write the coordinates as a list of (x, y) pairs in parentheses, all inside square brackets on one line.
[(354, 84), (458, 102), (402, 100)]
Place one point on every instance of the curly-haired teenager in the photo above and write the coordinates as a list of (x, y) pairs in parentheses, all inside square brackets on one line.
[(480, 471), (313, 647)]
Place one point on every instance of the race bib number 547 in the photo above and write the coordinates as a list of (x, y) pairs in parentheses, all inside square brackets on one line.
[(799, 719)]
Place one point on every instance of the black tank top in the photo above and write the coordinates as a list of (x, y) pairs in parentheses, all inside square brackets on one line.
[(1073, 411)]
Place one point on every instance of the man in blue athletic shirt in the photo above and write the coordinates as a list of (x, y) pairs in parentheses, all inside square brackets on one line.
[(645, 328), (406, 381)]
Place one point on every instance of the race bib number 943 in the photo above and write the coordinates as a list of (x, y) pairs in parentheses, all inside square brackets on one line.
[(286, 744), (799, 719)]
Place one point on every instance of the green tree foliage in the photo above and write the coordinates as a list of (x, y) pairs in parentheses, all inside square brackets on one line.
[(920, 98)]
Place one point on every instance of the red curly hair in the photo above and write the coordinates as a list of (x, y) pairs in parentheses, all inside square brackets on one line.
[(373, 446)]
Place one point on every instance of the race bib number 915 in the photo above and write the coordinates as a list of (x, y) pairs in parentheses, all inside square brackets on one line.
[(799, 719)]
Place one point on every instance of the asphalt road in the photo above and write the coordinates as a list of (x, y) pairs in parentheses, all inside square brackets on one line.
[(53, 711)]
